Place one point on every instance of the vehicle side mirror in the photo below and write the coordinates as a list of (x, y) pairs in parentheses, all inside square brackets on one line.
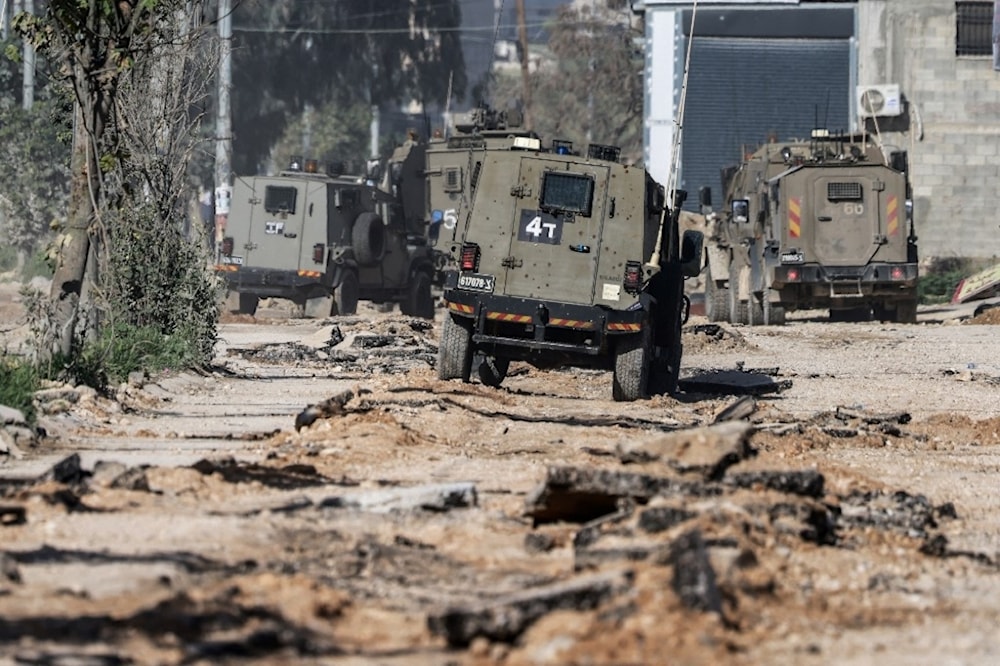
[(692, 250), (741, 211)]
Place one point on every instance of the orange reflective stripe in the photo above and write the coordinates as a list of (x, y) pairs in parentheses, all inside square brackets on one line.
[(892, 215), (794, 217), (459, 307)]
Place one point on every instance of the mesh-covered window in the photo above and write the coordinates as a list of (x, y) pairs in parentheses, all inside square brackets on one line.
[(843, 191), (280, 199), (453, 179), (567, 192), (974, 28)]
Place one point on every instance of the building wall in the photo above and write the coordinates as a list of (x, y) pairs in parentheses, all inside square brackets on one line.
[(954, 112)]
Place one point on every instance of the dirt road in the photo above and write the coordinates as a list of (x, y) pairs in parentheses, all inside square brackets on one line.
[(845, 514)]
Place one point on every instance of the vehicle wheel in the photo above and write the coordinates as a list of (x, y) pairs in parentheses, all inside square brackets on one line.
[(346, 296), (492, 371), (368, 239), (716, 298), (455, 349), (749, 312), (248, 304), (632, 360), (419, 302), (906, 312), (774, 315), (736, 316)]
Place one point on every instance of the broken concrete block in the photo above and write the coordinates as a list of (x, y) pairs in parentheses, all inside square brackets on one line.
[(506, 618), (706, 451), (439, 497), (694, 579), (11, 416), (806, 482), (67, 470), (581, 494), (663, 518)]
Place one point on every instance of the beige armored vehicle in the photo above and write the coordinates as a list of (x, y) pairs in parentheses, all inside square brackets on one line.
[(564, 259), (817, 224), (306, 236)]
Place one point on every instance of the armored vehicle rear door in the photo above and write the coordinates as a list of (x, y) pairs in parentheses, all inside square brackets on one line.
[(279, 217), (844, 225), (556, 230)]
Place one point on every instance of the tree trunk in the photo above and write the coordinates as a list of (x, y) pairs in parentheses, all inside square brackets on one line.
[(74, 249)]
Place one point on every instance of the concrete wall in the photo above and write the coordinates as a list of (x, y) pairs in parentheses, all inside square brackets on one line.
[(954, 112)]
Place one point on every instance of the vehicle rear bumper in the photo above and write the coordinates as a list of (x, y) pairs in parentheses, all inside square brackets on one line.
[(876, 275), (529, 329), (266, 281)]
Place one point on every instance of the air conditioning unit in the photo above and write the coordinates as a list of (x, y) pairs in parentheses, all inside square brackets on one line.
[(879, 100)]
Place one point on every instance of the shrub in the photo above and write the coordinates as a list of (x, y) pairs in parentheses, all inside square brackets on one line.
[(19, 380)]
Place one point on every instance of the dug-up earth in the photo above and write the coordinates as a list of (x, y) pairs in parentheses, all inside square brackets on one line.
[(814, 494)]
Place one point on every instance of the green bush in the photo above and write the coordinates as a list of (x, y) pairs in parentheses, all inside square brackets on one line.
[(18, 382), (37, 265), (124, 348), (937, 282)]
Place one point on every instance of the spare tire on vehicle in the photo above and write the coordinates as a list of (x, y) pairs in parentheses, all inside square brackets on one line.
[(368, 239)]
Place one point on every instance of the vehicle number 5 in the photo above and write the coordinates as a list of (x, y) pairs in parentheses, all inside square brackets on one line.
[(450, 219)]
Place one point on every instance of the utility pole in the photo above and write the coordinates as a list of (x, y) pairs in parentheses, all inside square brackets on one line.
[(4, 19), (525, 82), (223, 124), (28, 95)]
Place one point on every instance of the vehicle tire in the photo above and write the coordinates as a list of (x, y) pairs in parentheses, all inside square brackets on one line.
[(716, 298), (368, 239), (455, 349), (346, 296), (774, 315), (736, 316), (248, 304), (492, 371), (632, 360), (749, 312), (419, 301)]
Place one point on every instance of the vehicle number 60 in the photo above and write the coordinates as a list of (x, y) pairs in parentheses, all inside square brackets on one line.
[(854, 208)]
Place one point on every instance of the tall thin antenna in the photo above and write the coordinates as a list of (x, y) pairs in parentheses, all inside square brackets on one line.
[(654, 260), (679, 120)]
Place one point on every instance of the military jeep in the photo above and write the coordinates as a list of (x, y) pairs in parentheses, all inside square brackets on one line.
[(323, 238), (565, 259)]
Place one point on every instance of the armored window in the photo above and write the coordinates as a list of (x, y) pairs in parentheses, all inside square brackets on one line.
[(973, 28), (568, 193), (843, 191), (280, 199), (453, 179)]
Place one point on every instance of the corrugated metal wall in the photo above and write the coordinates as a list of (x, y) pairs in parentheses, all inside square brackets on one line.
[(741, 91)]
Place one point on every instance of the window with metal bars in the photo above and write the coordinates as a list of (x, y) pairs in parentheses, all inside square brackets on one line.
[(843, 191), (974, 28)]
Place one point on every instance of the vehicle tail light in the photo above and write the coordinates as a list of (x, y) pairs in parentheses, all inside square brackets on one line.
[(633, 276), (469, 259), (897, 273), (227, 246), (793, 275), (319, 250)]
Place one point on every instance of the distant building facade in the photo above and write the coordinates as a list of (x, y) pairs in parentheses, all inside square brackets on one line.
[(781, 68)]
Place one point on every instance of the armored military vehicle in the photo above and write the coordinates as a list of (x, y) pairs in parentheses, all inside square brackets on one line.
[(822, 223), (564, 259), (305, 236)]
